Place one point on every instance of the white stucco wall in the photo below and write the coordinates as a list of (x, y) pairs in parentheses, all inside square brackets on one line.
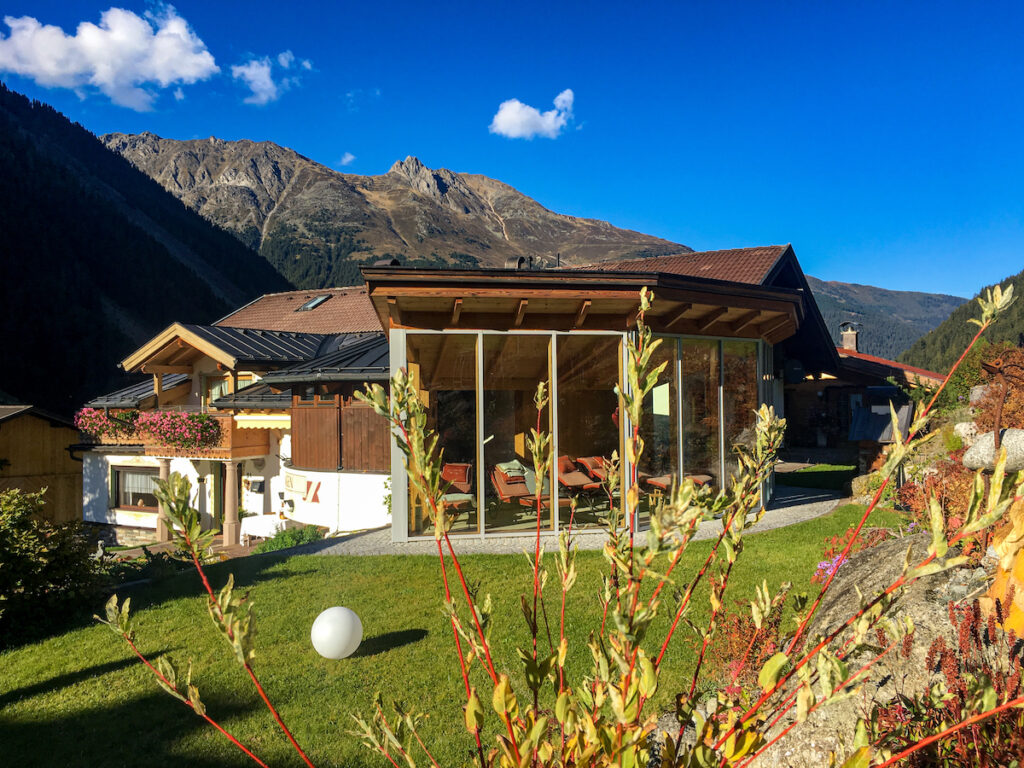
[(340, 501)]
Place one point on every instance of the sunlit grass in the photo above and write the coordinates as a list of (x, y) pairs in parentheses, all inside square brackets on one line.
[(79, 699)]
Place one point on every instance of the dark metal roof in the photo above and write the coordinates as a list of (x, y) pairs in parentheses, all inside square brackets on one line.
[(133, 395), (256, 346), (359, 358), (258, 395), (12, 411)]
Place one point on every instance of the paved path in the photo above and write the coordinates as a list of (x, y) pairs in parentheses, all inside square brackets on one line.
[(790, 506)]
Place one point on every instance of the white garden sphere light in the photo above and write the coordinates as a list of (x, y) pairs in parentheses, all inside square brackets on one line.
[(336, 633)]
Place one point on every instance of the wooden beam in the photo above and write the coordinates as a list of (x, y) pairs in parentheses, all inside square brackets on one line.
[(770, 326), (456, 311), (683, 309), (155, 369), (744, 320), (394, 313), (158, 387), (705, 322), (520, 312), (581, 313)]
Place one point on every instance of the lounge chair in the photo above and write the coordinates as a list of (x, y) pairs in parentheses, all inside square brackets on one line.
[(570, 478), (459, 477)]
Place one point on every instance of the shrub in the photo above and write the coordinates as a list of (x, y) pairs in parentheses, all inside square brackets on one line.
[(952, 484), (291, 537), (957, 392), (984, 658), (1012, 359), (43, 567)]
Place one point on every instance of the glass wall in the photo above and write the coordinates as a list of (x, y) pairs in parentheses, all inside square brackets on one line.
[(588, 423), (701, 446), (443, 369), (739, 398), (513, 365), (478, 389), (659, 464)]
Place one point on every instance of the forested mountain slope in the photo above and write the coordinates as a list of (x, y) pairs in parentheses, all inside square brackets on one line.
[(890, 320), (95, 258), (939, 349)]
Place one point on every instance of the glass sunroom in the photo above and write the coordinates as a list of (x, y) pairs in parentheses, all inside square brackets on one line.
[(476, 344)]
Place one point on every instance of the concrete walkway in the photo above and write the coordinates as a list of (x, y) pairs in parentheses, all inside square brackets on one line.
[(790, 506)]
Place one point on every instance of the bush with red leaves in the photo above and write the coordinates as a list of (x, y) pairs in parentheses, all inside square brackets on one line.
[(985, 662)]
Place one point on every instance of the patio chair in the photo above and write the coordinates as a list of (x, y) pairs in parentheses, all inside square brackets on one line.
[(459, 476), (570, 478)]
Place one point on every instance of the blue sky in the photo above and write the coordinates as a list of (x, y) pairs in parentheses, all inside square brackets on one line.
[(884, 140)]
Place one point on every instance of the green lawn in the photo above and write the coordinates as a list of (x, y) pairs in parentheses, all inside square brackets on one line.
[(832, 477), (79, 698)]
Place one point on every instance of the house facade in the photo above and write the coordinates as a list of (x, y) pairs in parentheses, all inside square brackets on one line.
[(476, 343), (279, 376), (207, 410)]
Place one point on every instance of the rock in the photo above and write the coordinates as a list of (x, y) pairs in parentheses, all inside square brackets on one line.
[(967, 431), (977, 393), (859, 486), (831, 727), (982, 455)]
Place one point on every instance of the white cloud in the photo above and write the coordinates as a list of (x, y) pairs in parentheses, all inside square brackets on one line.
[(258, 76), (123, 57), (255, 73), (516, 120), (347, 159), (179, 95)]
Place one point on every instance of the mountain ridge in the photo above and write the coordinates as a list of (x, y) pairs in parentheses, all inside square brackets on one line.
[(308, 219)]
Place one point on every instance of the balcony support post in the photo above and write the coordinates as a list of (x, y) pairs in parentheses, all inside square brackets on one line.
[(162, 532), (230, 531)]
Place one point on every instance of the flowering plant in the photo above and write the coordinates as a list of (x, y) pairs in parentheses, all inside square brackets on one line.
[(99, 423), (187, 431)]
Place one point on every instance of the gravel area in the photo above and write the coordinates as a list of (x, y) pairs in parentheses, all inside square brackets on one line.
[(790, 505)]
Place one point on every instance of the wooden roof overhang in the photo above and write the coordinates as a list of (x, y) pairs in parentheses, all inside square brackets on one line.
[(579, 300), (175, 350)]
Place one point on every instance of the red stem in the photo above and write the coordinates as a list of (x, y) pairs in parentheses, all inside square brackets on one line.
[(259, 688), (1019, 701), (203, 715)]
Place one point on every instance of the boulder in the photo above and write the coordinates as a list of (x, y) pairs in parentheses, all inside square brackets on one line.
[(982, 455), (967, 431), (830, 729), (978, 392)]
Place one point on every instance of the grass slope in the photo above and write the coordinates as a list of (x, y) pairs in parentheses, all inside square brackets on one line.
[(80, 699)]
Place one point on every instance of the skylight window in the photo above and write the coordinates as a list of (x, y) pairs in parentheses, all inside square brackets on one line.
[(313, 303)]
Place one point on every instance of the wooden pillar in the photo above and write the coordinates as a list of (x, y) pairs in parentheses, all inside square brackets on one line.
[(230, 530), (162, 532)]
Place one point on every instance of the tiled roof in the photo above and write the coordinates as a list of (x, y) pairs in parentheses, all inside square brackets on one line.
[(253, 345), (11, 411), (920, 372), (364, 358), (348, 310), (133, 395), (735, 265)]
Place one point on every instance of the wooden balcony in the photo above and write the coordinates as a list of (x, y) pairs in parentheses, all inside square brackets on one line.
[(234, 443)]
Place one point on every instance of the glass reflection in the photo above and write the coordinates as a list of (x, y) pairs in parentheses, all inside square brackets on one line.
[(513, 366), (443, 369), (701, 450), (739, 398)]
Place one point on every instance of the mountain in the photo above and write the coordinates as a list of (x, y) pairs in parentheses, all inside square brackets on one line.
[(890, 320), (316, 225), (95, 258), (940, 348)]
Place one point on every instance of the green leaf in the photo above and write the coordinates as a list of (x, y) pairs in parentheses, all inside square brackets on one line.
[(474, 713), (772, 671), (859, 759)]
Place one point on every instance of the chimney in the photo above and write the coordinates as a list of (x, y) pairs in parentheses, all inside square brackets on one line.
[(849, 334)]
